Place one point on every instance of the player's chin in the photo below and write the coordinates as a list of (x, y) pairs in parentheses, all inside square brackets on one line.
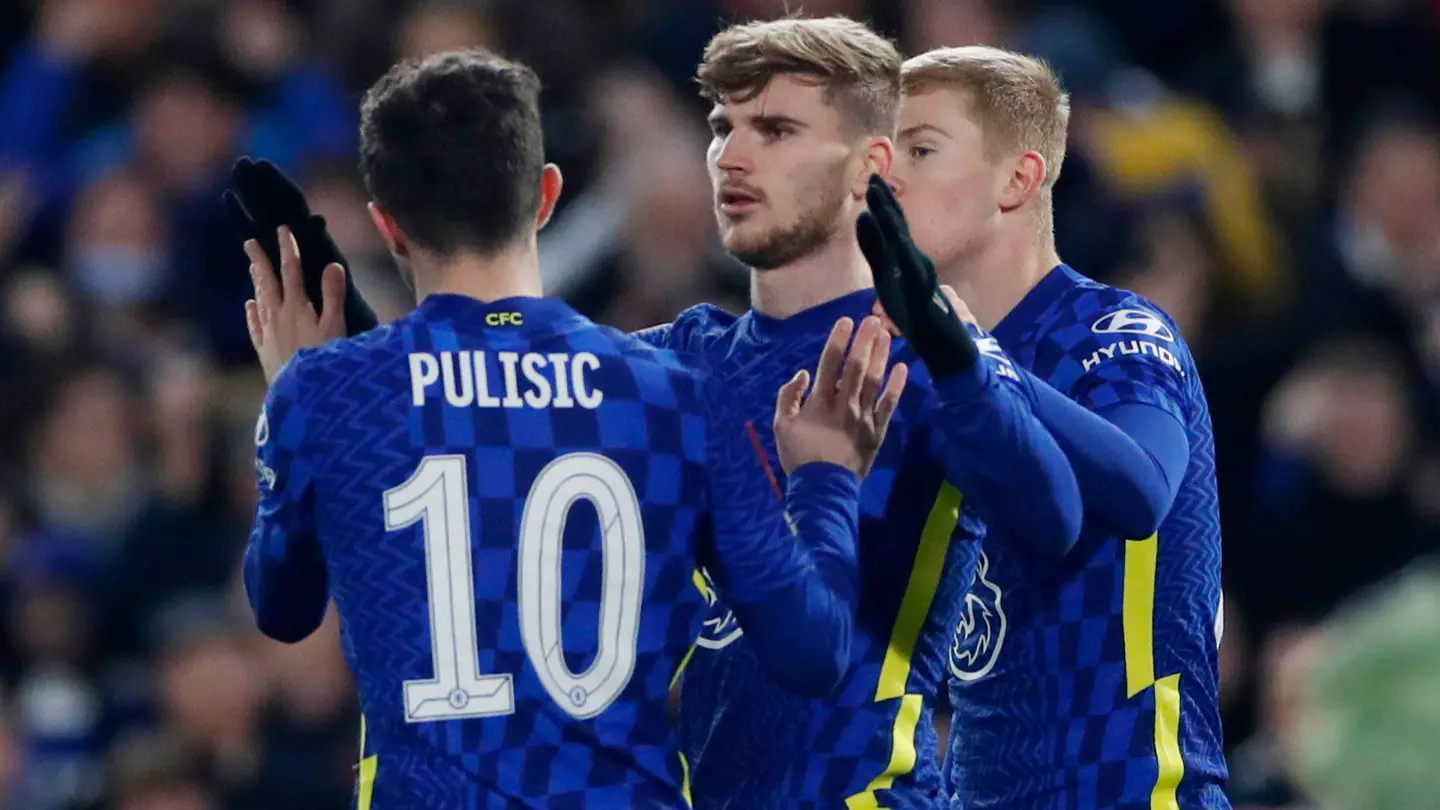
[(745, 242)]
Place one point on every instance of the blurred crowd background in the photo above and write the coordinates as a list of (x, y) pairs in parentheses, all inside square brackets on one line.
[(1266, 170)]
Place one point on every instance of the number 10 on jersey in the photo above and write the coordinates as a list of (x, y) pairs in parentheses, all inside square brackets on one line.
[(437, 497)]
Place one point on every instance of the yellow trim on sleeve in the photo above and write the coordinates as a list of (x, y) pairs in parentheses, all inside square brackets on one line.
[(1170, 763), (1138, 614)]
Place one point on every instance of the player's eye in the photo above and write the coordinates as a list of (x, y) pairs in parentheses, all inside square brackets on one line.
[(918, 152), (776, 132), (719, 128)]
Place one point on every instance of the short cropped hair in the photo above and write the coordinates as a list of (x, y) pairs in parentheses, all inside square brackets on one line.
[(1016, 100), (858, 68), (451, 147)]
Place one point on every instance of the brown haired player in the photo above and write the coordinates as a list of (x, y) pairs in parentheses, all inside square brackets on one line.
[(803, 119), (1096, 686)]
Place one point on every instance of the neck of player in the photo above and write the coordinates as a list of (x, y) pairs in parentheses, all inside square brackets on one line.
[(512, 272), (995, 279), (837, 269)]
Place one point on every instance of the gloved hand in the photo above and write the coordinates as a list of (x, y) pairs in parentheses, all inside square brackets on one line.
[(908, 289), (264, 199)]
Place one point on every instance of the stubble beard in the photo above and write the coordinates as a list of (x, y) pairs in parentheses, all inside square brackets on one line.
[(781, 246)]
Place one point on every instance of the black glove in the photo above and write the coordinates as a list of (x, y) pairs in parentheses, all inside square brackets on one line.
[(264, 199), (906, 284)]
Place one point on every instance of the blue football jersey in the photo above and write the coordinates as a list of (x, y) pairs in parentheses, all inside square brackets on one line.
[(750, 744), (510, 502), (1094, 686)]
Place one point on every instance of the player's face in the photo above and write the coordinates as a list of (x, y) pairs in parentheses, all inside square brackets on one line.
[(949, 189), (780, 168)]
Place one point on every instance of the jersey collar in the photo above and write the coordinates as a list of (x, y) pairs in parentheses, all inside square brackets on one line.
[(1035, 303), (818, 318), (464, 309)]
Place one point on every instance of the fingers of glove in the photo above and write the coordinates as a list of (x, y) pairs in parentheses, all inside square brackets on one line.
[(886, 208), (832, 357), (316, 246), (284, 193), (872, 244), (240, 220), (882, 268), (250, 187), (241, 167)]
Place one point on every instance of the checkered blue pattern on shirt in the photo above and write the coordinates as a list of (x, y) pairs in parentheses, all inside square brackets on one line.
[(752, 745), (1043, 719), (347, 415)]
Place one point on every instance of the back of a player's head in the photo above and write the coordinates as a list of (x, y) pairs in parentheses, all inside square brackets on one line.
[(451, 147), (1016, 100), (858, 68)]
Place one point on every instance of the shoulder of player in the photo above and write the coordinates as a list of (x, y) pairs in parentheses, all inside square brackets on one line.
[(678, 366), (696, 327), (1093, 313), (339, 357), (386, 339)]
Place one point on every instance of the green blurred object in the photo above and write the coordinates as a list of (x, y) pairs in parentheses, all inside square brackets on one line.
[(1368, 735)]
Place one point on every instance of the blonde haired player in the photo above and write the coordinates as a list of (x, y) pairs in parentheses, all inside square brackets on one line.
[(1093, 684)]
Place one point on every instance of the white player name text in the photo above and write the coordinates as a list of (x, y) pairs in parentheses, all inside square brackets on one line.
[(528, 380)]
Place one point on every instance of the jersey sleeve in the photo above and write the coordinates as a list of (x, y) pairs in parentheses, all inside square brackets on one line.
[(994, 449), (1128, 464), (788, 564), (1129, 356), (1112, 397), (285, 576)]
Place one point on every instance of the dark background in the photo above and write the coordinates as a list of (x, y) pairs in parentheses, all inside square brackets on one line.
[(1266, 170)]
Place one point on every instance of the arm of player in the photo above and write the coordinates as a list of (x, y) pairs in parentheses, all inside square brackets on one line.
[(987, 436), (793, 575), (1128, 462), (1115, 405), (996, 450), (285, 575)]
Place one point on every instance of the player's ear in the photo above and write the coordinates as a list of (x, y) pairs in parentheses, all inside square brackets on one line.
[(389, 231), (1027, 175), (879, 158), (551, 182)]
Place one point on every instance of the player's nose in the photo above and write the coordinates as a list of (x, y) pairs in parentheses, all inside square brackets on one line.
[(732, 156)]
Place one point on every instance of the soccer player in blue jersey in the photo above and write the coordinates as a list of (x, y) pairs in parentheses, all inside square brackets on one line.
[(507, 502), (1093, 684)]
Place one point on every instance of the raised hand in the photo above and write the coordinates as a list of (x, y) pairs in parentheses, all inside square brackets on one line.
[(262, 201), (908, 289), (280, 319), (844, 419)]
